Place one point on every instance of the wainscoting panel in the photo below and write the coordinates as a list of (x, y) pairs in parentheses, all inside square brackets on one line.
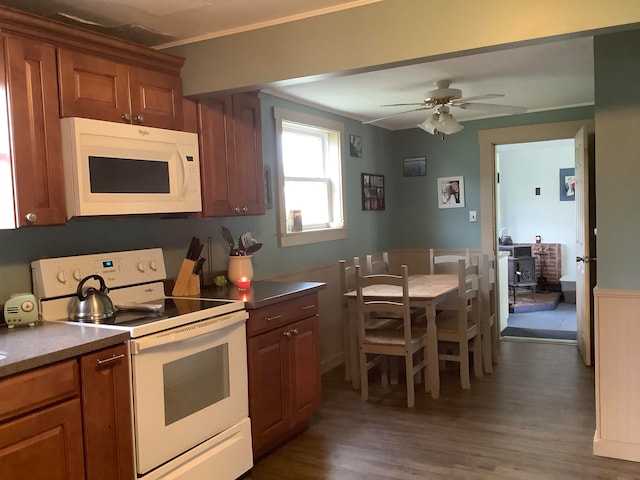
[(617, 361)]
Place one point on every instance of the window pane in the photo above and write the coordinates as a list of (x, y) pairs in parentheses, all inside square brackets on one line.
[(302, 154), (311, 198)]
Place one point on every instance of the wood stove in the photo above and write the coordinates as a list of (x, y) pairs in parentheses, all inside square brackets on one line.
[(522, 270)]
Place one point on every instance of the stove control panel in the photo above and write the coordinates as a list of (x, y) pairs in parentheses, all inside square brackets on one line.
[(56, 277)]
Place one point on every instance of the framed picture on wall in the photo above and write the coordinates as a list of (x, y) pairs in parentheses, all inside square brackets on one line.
[(451, 192), (567, 184), (414, 166), (372, 191), (355, 146)]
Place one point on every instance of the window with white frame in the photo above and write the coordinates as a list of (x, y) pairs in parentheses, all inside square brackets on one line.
[(311, 207)]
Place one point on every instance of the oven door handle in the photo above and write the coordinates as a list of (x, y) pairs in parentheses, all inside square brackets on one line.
[(187, 332)]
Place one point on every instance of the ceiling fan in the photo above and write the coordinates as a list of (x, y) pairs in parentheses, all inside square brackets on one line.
[(441, 121)]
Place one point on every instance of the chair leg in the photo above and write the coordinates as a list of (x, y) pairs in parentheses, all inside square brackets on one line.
[(426, 370), (477, 355), (364, 377), (464, 365), (411, 396)]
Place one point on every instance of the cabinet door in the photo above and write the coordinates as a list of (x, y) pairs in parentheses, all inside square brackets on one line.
[(35, 132), (246, 170), (46, 444), (269, 389), (106, 406), (156, 98), (93, 87), (231, 156), (304, 351), (216, 154)]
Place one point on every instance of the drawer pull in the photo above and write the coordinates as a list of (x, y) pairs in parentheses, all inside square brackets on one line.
[(287, 333), (275, 317), (111, 359), (307, 307), (294, 331)]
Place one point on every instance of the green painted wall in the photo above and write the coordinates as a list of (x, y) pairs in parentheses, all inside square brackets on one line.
[(418, 222), (617, 118)]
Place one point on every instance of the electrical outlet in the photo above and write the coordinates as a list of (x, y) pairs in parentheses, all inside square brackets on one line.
[(472, 216)]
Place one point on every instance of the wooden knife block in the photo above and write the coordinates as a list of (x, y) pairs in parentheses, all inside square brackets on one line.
[(187, 284)]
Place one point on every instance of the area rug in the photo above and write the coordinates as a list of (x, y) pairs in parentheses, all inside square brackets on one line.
[(527, 303), (534, 333)]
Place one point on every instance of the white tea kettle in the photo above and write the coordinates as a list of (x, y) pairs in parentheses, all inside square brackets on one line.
[(91, 305)]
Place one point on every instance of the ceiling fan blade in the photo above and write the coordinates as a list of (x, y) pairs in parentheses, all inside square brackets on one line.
[(490, 107), (394, 115), (402, 104), (477, 97)]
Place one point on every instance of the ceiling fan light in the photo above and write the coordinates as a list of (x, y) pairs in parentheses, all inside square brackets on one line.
[(430, 124), (447, 124)]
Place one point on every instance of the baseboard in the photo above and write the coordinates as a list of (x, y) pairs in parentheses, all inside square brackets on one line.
[(330, 363), (612, 449)]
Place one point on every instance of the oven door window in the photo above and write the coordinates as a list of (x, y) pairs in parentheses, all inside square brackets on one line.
[(195, 382)]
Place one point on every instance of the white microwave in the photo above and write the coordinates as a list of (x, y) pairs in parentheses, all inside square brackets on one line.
[(118, 169)]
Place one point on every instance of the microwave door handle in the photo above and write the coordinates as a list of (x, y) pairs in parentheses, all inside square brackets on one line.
[(187, 332), (183, 171)]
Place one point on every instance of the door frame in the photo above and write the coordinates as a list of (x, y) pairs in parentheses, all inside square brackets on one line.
[(488, 140)]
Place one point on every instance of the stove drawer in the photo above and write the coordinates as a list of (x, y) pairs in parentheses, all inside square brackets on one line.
[(283, 313)]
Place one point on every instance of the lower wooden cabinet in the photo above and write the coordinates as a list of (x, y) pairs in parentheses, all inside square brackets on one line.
[(106, 408), (284, 370), (70, 420)]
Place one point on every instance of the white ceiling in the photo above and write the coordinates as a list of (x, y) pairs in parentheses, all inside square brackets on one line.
[(540, 77)]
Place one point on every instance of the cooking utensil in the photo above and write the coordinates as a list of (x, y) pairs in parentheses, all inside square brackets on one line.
[(92, 304), (141, 307)]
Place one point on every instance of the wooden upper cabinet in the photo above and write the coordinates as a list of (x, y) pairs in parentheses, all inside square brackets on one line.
[(231, 156), (34, 129), (99, 88)]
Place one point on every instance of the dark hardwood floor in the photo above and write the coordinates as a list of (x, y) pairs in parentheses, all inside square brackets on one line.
[(533, 418)]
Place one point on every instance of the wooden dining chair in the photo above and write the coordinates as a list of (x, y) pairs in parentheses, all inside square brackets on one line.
[(446, 262), (375, 344), (459, 324), (377, 263), (349, 330), (489, 316)]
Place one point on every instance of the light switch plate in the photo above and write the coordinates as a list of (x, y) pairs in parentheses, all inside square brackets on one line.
[(472, 216)]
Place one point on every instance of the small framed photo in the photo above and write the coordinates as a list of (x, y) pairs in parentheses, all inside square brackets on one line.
[(567, 184), (372, 192), (355, 146), (450, 192), (414, 166)]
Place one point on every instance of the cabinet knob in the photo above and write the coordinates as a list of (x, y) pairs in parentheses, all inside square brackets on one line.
[(31, 217), (140, 118), (245, 209), (126, 117), (294, 331), (287, 333)]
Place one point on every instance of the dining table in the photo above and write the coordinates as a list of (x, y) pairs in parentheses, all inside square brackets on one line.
[(426, 291)]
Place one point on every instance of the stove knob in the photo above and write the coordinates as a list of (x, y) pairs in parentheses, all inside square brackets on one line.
[(77, 275), (141, 266), (153, 265), (61, 277)]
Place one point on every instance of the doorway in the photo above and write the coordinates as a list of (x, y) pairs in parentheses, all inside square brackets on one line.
[(488, 140), (536, 212)]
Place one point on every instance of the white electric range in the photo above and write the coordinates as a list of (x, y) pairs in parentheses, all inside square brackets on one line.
[(188, 362)]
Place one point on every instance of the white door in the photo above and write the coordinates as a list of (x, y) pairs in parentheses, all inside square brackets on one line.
[(583, 255)]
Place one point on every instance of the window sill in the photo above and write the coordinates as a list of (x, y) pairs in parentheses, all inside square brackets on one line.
[(313, 236)]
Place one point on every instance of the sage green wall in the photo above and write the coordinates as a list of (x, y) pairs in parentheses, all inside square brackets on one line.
[(617, 119), (418, 222)]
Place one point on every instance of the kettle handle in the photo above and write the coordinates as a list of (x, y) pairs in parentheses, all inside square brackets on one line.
[(80, 293)]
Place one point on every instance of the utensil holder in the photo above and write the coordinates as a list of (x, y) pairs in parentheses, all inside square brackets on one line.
[(187, 284)]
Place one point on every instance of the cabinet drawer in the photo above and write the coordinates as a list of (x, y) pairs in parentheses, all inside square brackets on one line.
[(273, 316), (28, 391)]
